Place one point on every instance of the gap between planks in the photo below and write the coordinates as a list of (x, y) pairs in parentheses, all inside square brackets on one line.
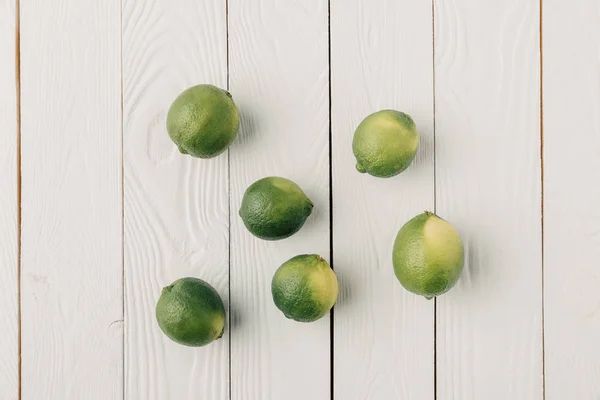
[(18, 160), (542, 224), (332, 312), (435, 395), (122, 203), (228, 209)]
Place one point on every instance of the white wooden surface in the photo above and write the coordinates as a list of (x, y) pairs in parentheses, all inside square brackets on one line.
[(572, 221), (71, 325), (488, 183), (279, 80), (175, 206), (9, 239), (111, 212), (383, 336)]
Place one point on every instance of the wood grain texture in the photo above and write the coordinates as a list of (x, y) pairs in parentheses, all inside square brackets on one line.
[(71, 200), (176, 206), (9, 235), (381, 59), (489, 327), (279, 79), (571, 195)]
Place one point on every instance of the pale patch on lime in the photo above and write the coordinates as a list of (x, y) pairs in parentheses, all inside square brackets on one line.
[(324, 284), (412, 143), (286, 185), (442, 241), (218, 324)]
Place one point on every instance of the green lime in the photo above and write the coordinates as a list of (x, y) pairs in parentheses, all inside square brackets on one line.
[(274, 208), (385, 143), (203, 121), (191, 312), (428, 255), (304, 288)]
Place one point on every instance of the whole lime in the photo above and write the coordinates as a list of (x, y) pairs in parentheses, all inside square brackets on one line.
[(428, 255), (191, 312), (274, 208), (203, 121), (305, 288), (385, 143)]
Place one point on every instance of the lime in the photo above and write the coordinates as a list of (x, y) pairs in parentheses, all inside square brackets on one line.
[(274, 208), (428, 255), (385, 143), (203, 121), (304, 288), (191, 312)]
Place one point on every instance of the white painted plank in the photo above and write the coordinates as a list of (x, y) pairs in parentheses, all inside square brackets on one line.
[(279, 79), (381, 56), (571, 33), (176, 206), (9, 235), (71, 200), (489, 328)]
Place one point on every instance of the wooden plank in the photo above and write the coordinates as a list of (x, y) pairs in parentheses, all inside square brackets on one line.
[(381, 57), (279, 79), (176, 206), (571, 193), (9, 234), (71, 200), (489, 328)]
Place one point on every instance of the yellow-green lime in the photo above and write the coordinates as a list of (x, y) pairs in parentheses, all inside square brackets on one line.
[(191, 312), (305, 288), (385, 143), (428, 255), (203, 121), (274, 208)]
